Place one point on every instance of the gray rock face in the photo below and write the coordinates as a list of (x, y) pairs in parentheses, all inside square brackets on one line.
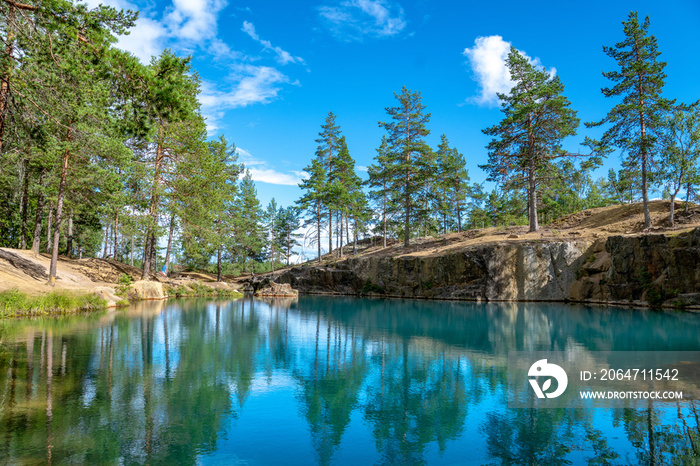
[(647, 269), (526, 271)]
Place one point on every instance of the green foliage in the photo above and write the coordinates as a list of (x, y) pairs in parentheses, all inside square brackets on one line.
[(635, 121), (680, 151), (370, 287), (14, 303), (124, 284), (407, 161), (536, 119)]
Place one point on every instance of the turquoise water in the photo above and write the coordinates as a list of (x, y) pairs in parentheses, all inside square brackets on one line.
[(323, 381)]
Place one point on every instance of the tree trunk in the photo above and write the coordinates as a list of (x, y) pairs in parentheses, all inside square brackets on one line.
[(459, 213), (154, 253), (170, 243), (340, 235), (347, 229), (330, 232), (673, 205), (318, 228), (532, 188), (131, 251), (48, 228), (69, 238), (218, 264), (104, 250), (354, 239), (36, 241), (384, 216), (407, 206), (289, 252), (116, 234), (272, 253), (59, 213), (5, 80), (645, 194), (25, 205), (153, 210)]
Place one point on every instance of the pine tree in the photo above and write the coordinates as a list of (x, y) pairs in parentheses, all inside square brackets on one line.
[(408, 156), (636, 120), (248, 218), (171, 96), (452, 184), (287, 226), (312, 200), (77, 98), (206, 198), (380, 175), (326, 152), (272, 218), (536, 119)]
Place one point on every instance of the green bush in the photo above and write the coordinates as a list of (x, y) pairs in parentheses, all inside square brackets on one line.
[(370, 287), (123, 284)]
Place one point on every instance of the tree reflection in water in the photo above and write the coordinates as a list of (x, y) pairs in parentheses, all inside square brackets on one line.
[(166, 382)]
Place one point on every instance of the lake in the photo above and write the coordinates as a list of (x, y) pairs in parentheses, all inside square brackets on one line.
[(323, 380)]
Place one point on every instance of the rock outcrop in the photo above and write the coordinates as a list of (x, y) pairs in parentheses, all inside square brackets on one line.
[(145, 290), (653, 269), (276, 290), (525, 271), (108, 294)]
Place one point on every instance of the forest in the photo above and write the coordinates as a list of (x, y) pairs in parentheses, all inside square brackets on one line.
[(103, 156)]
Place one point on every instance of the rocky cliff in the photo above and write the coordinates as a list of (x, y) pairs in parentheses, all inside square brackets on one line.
[(650, 269)]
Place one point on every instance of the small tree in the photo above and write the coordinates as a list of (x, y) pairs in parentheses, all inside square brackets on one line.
[(311, 202), (680, 150), (287, 226)]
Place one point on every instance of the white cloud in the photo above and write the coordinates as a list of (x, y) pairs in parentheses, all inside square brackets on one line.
[(262, 172), (353, 20), (253, 85), (488, 63), (145, 40), (194, 20), (283, 57), (186, 25), (269, 175)]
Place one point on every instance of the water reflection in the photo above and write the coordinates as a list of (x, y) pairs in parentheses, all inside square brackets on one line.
[(323, 380)]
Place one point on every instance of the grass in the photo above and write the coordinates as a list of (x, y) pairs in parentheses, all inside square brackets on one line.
[(14, 303)]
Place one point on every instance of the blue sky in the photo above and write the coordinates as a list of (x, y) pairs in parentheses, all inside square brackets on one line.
[(272, 70)]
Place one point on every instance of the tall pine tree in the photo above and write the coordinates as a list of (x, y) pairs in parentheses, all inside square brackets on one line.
[(536, 118), (636, 120), (408, 156)]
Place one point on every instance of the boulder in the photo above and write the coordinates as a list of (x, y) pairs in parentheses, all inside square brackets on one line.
[(277, 290), (108, 294), (144, 289)]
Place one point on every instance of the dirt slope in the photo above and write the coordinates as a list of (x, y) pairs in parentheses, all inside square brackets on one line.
[(29, 273)]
